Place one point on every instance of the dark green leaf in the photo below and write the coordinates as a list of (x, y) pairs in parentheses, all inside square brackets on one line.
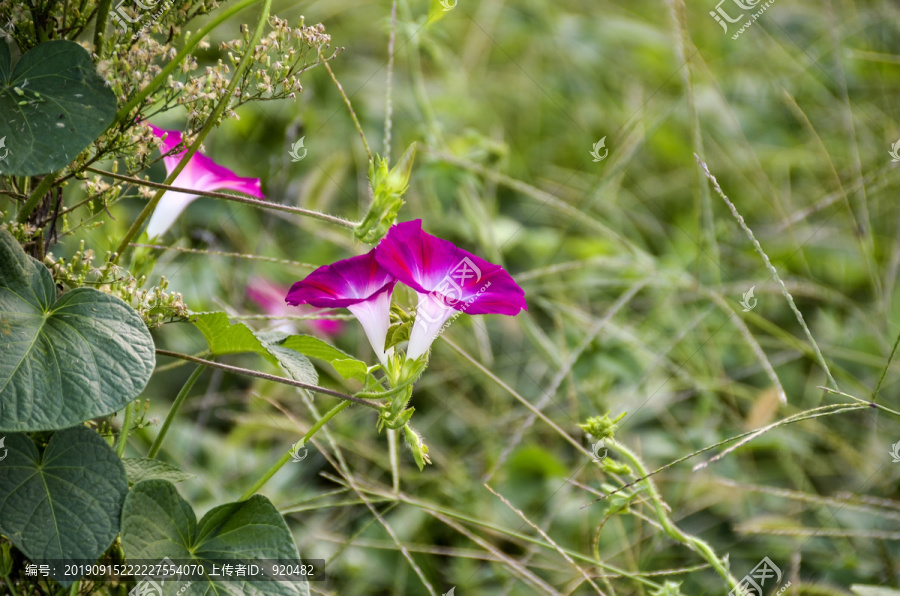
[(158, 523), (64, 361), (64, 503), (54, 105)]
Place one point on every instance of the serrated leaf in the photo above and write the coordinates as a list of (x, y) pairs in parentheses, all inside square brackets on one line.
[(351, 368), (54, 105), (63, 503), (158, 523), (142, 468), (225, 337), (64, 361)]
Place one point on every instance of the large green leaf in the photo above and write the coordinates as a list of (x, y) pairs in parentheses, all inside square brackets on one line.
[(64, 361), (225, 337), (54, 105), (158, 523), (63, 503)]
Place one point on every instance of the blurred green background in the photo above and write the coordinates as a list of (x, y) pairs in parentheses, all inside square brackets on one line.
[(633, 267)]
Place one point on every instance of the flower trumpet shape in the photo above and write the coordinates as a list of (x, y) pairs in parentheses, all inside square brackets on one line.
[(447, 279), (201, 173), (357, 284)]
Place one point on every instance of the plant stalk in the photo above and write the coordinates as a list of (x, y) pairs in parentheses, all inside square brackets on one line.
[(287, 456), (179, 400)]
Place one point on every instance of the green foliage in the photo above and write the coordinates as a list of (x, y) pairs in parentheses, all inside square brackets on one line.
[(602, 427), (54, 105), (142, 468), (158, 523), (62, 500), (388, 187), (66, 360)]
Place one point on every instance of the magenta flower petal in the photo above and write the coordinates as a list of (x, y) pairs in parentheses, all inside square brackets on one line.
[(358, 284), (201, 173), (434, 266)]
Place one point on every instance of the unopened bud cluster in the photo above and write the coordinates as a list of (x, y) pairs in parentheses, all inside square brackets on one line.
[(154, 305)]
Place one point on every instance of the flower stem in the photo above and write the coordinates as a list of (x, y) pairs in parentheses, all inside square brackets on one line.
[(693, 543), (179, 400), (126, 427), (229, 197), (210, 122), (268, 377), (100, 26), (35, 197), (284, 458), (349, 106)]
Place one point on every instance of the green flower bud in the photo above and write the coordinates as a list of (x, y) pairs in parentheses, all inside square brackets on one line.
[(613, 467), (388, 186), (601, 427), (669, 588), (417, 446)]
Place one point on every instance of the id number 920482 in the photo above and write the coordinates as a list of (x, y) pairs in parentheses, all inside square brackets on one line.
[(304, 570)]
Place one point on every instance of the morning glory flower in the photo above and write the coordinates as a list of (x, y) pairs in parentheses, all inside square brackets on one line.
[(201, 173), (269, 297), (448, 280), (357, 284)]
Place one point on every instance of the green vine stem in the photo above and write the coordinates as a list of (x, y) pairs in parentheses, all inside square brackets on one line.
[(100, 26), (275, 378), (35, 197), (287, 456), (229, 197), (179, 400), (662, 515), (126, 427), (216, 113)]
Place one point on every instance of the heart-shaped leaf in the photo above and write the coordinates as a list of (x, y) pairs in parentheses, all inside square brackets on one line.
[(64, 503), (54, 105), (64, 361), (158, 523)]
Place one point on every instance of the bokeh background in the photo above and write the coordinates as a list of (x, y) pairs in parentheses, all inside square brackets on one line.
[(633, 267)]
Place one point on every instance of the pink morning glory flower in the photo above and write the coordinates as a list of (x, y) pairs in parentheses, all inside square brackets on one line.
[(270, 298), (357, 284), (447, 279), (201, 173)]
